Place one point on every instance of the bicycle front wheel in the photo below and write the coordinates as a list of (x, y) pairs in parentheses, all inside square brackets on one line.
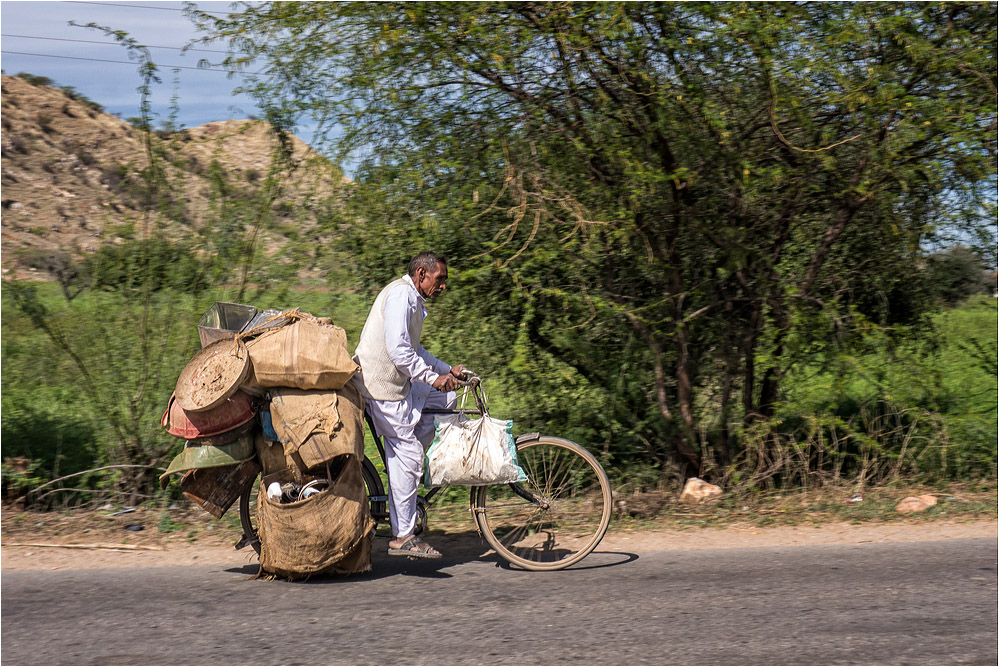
[(556, 517)]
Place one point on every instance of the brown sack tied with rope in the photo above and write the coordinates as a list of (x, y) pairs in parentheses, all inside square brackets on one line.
[(306, 353), (329, 532)]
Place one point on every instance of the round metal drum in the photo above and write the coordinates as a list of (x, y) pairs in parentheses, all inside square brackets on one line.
[(213, 375)]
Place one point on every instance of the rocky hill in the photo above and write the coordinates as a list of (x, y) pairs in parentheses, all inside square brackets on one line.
[(70, 176)]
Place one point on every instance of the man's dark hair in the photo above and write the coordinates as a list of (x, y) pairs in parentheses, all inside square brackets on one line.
[(427, 261)]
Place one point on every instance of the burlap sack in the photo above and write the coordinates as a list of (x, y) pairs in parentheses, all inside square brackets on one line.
[(276, 464), (326, 533), (316, 426), (310, 353)]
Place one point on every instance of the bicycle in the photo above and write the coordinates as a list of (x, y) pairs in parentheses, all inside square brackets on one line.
[(549, 522)]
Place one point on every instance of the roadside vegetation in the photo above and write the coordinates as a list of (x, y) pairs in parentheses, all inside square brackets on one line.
[(781, 284), (919, 413)]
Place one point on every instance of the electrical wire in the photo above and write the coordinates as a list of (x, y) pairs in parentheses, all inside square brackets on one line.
[(122, 62), (120, 4), (91, 41)]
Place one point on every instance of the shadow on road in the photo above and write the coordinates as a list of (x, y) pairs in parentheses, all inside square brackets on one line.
[(383, 566), (458, 549), (595, 561)]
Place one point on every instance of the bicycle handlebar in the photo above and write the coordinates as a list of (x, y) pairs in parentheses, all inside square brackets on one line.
[(469, 379), (473, 382)]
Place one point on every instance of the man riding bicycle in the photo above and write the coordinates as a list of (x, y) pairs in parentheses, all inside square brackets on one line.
[(399, 380)]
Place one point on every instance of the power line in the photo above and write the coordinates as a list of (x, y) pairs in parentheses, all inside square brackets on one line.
[(122, 62), (91, 41), (119, 4)]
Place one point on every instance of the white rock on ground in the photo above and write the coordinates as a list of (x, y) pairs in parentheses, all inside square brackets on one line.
[(915, 504), (696, 490)]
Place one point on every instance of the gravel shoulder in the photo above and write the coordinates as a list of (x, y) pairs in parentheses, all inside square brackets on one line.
[(91, 549)]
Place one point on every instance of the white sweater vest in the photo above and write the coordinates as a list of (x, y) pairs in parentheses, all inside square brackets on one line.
[(379, 378)]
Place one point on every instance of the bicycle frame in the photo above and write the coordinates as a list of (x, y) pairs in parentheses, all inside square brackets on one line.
[(473, 385)]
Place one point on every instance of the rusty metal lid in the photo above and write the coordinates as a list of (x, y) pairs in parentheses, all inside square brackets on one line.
[(213, 375)]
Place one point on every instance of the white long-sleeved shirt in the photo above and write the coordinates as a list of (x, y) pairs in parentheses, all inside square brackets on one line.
[(389, 350), (415, 362)]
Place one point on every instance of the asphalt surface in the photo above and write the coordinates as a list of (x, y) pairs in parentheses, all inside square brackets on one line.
[(907, 604)]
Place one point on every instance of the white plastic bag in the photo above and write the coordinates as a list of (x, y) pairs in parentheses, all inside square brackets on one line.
[(472, 452)]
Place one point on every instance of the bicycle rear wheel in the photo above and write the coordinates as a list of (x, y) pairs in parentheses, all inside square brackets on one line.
[(556, 517), (248, 504)]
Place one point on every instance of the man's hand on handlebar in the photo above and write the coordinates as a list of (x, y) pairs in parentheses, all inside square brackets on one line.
[(445, 383), (450, 381)]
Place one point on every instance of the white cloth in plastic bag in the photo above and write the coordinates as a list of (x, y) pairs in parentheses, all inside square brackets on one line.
[(472, 452)]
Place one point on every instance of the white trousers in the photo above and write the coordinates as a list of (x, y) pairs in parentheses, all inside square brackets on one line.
[(407, 433)]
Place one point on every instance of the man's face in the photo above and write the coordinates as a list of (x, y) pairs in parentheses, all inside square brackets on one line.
[(430, 285)]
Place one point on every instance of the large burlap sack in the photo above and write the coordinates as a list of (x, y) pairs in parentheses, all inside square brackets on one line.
[(317, 426), (327, 533), (310, 353)]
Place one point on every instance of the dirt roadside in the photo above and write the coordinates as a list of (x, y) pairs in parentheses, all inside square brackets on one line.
[(93, 543)]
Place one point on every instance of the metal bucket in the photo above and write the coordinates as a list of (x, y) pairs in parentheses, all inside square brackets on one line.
[(224, 320)]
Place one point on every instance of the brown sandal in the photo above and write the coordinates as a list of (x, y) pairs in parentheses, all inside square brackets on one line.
[(414, 548)]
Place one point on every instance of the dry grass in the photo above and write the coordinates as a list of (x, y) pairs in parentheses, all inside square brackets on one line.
[(821, 505), (185, 523)]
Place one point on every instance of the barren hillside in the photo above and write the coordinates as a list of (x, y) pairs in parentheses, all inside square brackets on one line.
[(69, 172)]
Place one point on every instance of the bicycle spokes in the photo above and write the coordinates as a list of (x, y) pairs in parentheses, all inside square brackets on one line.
[(556, 516)]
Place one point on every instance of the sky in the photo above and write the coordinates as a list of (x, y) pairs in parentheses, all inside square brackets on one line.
[(204, 96)]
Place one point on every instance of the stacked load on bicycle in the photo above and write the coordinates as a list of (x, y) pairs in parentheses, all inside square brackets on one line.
[(267, 406)]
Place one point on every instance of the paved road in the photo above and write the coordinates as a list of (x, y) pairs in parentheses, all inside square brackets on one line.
[(917, 603)]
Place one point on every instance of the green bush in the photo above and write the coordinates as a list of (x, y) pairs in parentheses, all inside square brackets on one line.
[(44, 121), (157, 264), (19, 475), (85, 382), (113, 175), (918, 405), (956, 274), (51, 436), (35, 79)]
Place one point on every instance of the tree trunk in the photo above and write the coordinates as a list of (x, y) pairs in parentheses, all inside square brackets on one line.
[(749, 411)]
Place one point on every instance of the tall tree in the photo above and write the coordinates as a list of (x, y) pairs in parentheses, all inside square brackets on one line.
[(673, 202)]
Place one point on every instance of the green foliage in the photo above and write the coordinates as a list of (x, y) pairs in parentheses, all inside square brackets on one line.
[(110, 366), (958, 273), (690, 236), (656, 212), (44, 121), (74, 94), (167, 524), (35, 79), (55, 440), (19, 477), (155, 264), (920, 406), (113, 175)]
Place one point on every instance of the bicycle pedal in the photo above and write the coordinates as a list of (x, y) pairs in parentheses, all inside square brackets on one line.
[(246, 541)]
